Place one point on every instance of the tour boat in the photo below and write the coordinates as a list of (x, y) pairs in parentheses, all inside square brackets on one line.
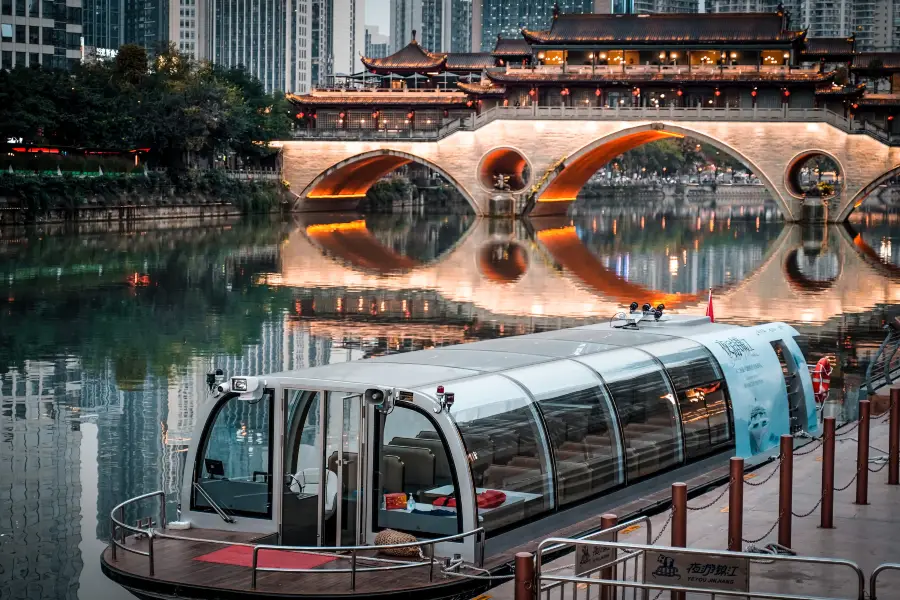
[(420, 474)]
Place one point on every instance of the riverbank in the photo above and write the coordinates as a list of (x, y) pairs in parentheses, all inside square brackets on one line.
[(46, 198)]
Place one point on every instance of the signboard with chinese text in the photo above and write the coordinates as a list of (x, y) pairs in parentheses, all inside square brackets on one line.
[(701, 571), (589, 557)]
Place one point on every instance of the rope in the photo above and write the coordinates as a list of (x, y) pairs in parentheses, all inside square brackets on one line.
[(669, 520), (812, 510), (482, 577), (770, 476), (813, 449), (841, 489), (705, 506), (765, 535)]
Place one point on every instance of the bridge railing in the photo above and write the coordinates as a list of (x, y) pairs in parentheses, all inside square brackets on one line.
[(360, 135)]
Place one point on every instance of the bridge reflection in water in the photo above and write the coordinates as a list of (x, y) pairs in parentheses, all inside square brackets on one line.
[(571, 272)]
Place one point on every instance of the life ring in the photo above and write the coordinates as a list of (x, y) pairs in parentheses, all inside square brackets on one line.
[(821, 379)]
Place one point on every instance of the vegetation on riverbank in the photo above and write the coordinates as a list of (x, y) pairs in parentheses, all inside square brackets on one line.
[(36, 195), (182, 112)]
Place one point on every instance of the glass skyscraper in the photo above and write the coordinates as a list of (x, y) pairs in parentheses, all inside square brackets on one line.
[(507, 18)]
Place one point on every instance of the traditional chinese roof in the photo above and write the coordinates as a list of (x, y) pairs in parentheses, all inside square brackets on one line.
[(512, 47), (829, 47), (678, 28), (410, 58), (841, 90), (485, 88), (373, 99), (888, 61), (606, 77), (469, 61), (874, 100)]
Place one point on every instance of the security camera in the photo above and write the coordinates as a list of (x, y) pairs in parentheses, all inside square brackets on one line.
[(221, 388)]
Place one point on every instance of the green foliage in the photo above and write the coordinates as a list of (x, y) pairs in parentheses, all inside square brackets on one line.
[(382, 194), (672, 157), (184, 112)]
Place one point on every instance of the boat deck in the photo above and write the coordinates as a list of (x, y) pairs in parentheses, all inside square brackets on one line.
[(176, 568)]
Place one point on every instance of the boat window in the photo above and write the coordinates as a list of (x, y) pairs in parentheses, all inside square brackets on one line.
[(581, 426), (701, 392), (301, 489), (508, 452), (234, 464), (646, 407), (413, 461)]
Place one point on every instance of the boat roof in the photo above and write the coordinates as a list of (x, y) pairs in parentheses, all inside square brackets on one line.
[(423, 367)]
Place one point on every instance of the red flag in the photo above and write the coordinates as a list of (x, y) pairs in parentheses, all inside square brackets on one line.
[(709, 308)]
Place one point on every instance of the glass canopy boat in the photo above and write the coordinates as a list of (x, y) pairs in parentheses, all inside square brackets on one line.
[(460, 453)]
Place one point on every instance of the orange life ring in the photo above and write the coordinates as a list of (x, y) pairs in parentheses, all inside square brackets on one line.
[(821, 379)]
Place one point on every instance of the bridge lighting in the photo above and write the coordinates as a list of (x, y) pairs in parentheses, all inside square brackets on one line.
[(734, 55), (603, 55), (662, 55)]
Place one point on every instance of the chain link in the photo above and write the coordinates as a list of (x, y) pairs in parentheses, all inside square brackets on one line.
[(812, 510), (768, 477), (871, 470), (705, 506), (765, 535), (669, 520), (814, 448), (846, 431), (841, 489), (658, 594)]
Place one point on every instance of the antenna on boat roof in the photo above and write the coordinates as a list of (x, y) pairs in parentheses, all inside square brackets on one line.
[(634, 316)]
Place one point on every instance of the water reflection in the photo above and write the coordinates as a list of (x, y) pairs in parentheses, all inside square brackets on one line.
[(106, 336)]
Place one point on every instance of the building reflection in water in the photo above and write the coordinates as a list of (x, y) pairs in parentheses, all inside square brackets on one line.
[(113, 333)]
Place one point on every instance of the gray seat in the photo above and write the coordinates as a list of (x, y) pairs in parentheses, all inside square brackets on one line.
[(442, 474), (392, 474), (418, 466)]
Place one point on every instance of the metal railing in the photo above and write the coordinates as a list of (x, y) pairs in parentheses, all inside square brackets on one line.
[(873, 580), (351, 553), (880, 370), (546, 592), (618, 586), (360, 135)]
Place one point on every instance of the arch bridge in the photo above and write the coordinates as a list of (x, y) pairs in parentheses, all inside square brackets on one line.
[(550, 155)]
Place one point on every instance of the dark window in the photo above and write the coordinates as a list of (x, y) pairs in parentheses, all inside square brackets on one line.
[(6, 7), (581, 426), (20, 8), (646, 407), (500, 427), (413, 460), (20, 59), (7, 60), (34, 7), (73, 41), (34, 35), (48, 9), (48, 36), (234, 464), (34, 59), (74, 14), (20, 34)]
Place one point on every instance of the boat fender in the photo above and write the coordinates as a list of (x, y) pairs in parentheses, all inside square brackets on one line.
[(178, 525)]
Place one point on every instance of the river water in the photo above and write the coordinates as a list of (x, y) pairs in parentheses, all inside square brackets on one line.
[(106, 335)]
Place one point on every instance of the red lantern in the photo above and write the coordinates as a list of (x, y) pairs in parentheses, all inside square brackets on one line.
[(635, 91), (374, 114), (890, 117), (565, 91), (343, 114), (315, 116), (855, 106), (410, 115), (532, 92), (718, 93), (301, 114), (446, 113), (597, 92), (506, 102), (469, 103), (679, 92), (753, 92), (787, 93)]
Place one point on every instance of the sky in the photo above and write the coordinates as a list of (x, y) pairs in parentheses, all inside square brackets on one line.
[(378, 13)]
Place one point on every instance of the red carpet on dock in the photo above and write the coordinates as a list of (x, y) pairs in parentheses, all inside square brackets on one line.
[(242, 556)]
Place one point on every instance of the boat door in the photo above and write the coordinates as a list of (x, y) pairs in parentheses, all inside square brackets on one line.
[(324, 458)]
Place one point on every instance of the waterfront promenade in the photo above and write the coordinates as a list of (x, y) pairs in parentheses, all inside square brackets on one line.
[(867, 535)]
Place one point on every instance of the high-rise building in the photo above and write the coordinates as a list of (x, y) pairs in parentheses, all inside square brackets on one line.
[(187, 27), (377, 45), (270, 38), (461, 26), (348, 36), (146, 23), (406, 17), (506, 19), (321, 58), (40, 32), (104, 22)]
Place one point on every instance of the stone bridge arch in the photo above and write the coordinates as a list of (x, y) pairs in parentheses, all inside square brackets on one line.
[(860, 196), (560, 186), (343, 185)]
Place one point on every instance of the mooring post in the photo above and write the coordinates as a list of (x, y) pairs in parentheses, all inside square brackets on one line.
[(608, 592), (524, 576), (786, 491), (862, 454), (679, 523), (736, 504), (827, 515), (894, 439)]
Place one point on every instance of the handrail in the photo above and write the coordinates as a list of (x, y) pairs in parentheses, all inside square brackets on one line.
[(216, 507), (873, 580), (625, 547)]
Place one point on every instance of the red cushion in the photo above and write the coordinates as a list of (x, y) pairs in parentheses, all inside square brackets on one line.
[(491, 499), (447, 501)]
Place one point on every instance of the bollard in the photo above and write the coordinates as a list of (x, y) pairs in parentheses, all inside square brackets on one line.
[(862, 454), (786, 491), (679, 523), (524, 576), (736, 505), (827, 515), (608, 592), (894, 448)]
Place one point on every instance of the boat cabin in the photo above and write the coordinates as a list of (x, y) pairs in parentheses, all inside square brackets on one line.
[(490, 436)]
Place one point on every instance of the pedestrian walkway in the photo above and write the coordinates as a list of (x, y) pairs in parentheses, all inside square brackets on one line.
[(867, 535)]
